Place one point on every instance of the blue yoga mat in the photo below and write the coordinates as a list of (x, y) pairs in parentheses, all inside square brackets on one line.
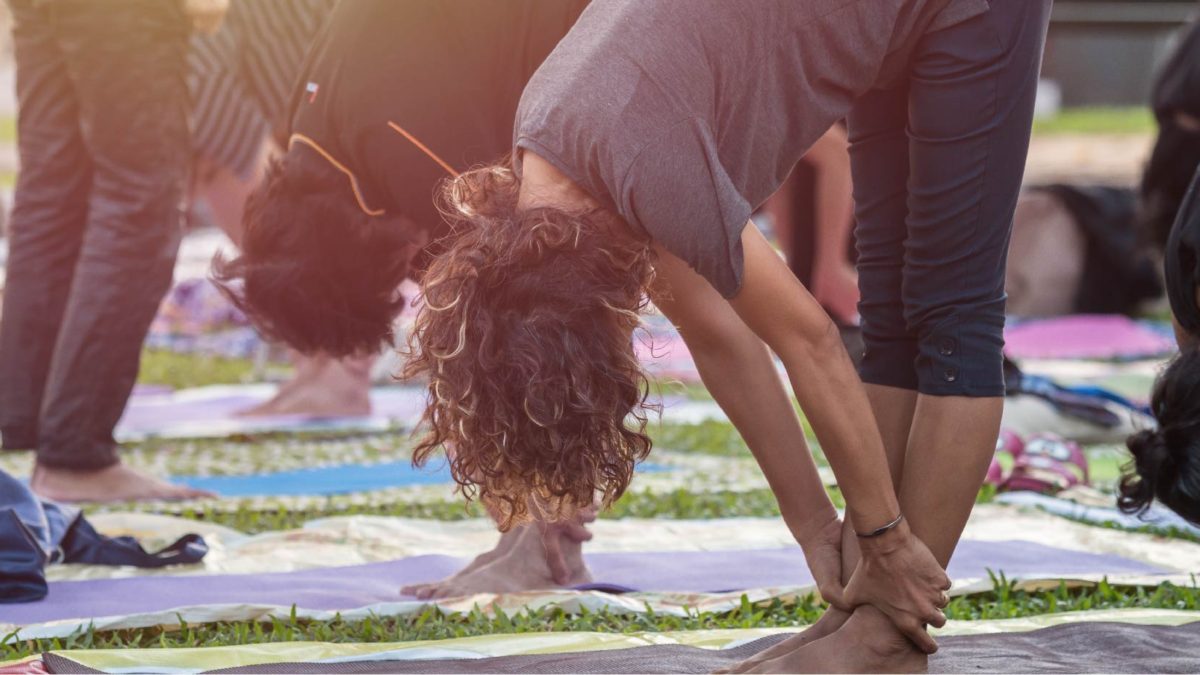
[(333, 480)]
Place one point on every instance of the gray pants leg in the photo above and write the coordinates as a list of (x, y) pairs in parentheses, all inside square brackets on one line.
[(105, 151)]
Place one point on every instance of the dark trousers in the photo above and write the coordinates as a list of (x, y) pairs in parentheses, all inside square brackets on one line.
[(937, 167), (96, 223)]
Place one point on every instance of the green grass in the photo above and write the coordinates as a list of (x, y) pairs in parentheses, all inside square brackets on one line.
[(717, 437), (1106, 465), (690, 390), (710, 437), (1097, 121), (181, 371), (677, 504), (1004, 601)]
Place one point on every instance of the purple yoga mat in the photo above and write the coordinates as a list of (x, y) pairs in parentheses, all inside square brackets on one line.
[(344, 588), (1085, 337), (213, 411)]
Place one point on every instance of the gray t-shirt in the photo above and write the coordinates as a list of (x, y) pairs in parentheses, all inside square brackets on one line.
[(682, 116)]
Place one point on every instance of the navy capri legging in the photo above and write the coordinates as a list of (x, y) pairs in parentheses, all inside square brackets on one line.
[(937, 166)]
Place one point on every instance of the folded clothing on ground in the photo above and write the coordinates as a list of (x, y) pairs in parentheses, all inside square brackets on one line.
[(35, 533)]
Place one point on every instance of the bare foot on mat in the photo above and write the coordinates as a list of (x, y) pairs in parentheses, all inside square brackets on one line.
[(322, 387), (117, 483), (867, 643), (829, 622), (506, 543), (523, 567)]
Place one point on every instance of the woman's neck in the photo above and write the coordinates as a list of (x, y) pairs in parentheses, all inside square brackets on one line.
[(544, 186)]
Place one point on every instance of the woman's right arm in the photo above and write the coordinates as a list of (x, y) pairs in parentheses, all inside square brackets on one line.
[(737, 369)]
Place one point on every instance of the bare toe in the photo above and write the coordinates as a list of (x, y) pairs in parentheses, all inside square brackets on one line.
[(412, 590)]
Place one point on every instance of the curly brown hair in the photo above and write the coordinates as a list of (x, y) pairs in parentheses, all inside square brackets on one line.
[(526, 338)]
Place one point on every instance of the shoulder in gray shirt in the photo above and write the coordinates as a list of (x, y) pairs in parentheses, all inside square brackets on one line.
[(682, 116)]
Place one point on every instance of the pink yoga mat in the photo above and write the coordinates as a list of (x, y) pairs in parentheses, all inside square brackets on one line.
[(1085, 337), (213, 412), (1106, 337)]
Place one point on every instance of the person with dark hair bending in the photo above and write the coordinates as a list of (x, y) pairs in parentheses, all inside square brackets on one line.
[(1166, 460), (642, 145), (394, 97)]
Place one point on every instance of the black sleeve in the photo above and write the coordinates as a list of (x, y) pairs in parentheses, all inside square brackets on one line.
[(1183, 261)]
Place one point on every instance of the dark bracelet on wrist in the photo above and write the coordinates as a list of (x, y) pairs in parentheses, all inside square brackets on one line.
[(880, 530)]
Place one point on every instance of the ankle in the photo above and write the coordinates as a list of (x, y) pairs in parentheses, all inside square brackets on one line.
[(42, 471), (533, 542), (834, 617), (875, 632)]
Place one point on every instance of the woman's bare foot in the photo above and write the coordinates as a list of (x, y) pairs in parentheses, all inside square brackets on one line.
[(867, 643), (117, 483), (305, 369), (507, 541), (322, 387), (522, 568), (829, 622)]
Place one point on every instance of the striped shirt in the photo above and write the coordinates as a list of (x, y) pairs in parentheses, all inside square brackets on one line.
[(241, 78)]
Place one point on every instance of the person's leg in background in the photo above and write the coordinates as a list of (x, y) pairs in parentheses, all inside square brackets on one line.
[(322, 386), (224, 190), (812, 223), (126, 59), (935, 207), (791, 210), (47, 224), (835, 282)]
